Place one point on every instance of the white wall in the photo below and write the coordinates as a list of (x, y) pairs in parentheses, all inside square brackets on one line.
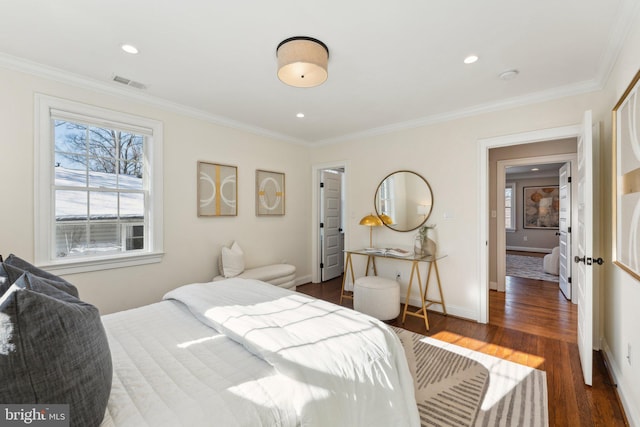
[(620, 299), (192, 244)]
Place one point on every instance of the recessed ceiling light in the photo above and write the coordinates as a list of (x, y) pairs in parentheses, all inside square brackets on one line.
[(300, 115), (470, 59), (508, 74), (129, 49), (535, 169)]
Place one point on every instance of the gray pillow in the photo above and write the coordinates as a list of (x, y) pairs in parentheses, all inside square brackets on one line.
[(53, 349), (13, 267)]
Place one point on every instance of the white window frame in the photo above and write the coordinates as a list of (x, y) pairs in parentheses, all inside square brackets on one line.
[(512, 186), (44, 179)]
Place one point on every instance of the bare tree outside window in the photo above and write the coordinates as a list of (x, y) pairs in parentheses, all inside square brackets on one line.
[(99, 191), (104, 150)]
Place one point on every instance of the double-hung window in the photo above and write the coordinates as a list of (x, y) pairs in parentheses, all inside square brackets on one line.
[(98, 187)]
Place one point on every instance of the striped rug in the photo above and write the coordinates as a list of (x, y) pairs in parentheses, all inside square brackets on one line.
[(460, 387)]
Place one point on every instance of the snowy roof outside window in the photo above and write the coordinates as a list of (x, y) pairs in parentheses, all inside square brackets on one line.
[(72, 205)]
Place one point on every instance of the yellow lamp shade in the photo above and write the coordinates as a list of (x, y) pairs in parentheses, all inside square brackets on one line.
[(371, 221)]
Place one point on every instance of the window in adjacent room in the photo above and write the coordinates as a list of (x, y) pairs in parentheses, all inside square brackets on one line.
[(509, 207), (99, 187)]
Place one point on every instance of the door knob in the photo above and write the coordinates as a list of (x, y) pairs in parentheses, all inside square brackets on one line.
[(578, 260)]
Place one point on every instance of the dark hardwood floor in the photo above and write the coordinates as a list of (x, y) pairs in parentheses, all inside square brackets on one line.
[(531, 324)]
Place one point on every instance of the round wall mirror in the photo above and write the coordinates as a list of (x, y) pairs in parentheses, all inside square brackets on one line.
[(403, 201)]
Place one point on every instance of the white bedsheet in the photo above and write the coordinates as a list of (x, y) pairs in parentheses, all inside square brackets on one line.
[(344, 368), (172, 370)]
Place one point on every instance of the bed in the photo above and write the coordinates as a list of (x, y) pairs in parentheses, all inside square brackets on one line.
[(242, 352)]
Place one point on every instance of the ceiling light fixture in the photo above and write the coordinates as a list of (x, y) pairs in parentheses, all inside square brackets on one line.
[(129, 49), (470, 59), (302, 61), (300, 115), (535, 169)]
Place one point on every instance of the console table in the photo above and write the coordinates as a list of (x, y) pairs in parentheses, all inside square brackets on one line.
[(415, 272)]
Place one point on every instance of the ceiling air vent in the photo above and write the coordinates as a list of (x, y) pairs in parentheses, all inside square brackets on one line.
[(128, 82)]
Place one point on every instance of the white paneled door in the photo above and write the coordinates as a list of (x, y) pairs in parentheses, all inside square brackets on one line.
[(331, 185), (583, 259)]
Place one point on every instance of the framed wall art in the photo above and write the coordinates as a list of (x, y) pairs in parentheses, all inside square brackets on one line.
[(217, 189), (270, 193), (541, 207), (626, 181)]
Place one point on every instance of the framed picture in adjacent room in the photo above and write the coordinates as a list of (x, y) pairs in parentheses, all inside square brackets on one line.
[(541, 207), (270, 194), (217, 189), (626, 180)]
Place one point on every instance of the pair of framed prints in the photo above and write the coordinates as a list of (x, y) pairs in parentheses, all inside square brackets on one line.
[(218, 191)]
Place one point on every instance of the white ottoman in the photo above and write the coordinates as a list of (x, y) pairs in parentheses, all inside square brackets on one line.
[(376, 296)]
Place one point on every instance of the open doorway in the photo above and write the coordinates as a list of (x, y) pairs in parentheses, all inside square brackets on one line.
[(526, 294), (525, 231), (331, 234), (330, 229), (535, 214)]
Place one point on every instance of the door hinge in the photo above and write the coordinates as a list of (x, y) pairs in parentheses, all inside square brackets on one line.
[(322, 225), (569, 230), (569, 180), (569, 280), (322, 185), (321, 265)]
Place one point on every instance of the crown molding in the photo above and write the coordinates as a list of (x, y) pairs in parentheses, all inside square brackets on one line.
[(505, 104), (625, 17), (66, 77)]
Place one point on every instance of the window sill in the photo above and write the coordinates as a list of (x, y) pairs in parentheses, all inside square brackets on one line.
[(85, 265)]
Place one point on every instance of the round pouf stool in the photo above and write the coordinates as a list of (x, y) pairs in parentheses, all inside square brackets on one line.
[(376, 296)]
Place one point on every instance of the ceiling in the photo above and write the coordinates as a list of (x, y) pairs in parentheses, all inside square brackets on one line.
[(392, 65), (546, 170)]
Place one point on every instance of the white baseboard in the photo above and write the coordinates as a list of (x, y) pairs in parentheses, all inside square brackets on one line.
[(303, 280), (630, 409), (528, 249), (452, 310), (493, 286)]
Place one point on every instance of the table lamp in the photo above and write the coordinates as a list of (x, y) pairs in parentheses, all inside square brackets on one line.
[(371, 221)]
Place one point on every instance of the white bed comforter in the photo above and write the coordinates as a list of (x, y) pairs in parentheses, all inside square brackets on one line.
[(171, 370), (341, 368)]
